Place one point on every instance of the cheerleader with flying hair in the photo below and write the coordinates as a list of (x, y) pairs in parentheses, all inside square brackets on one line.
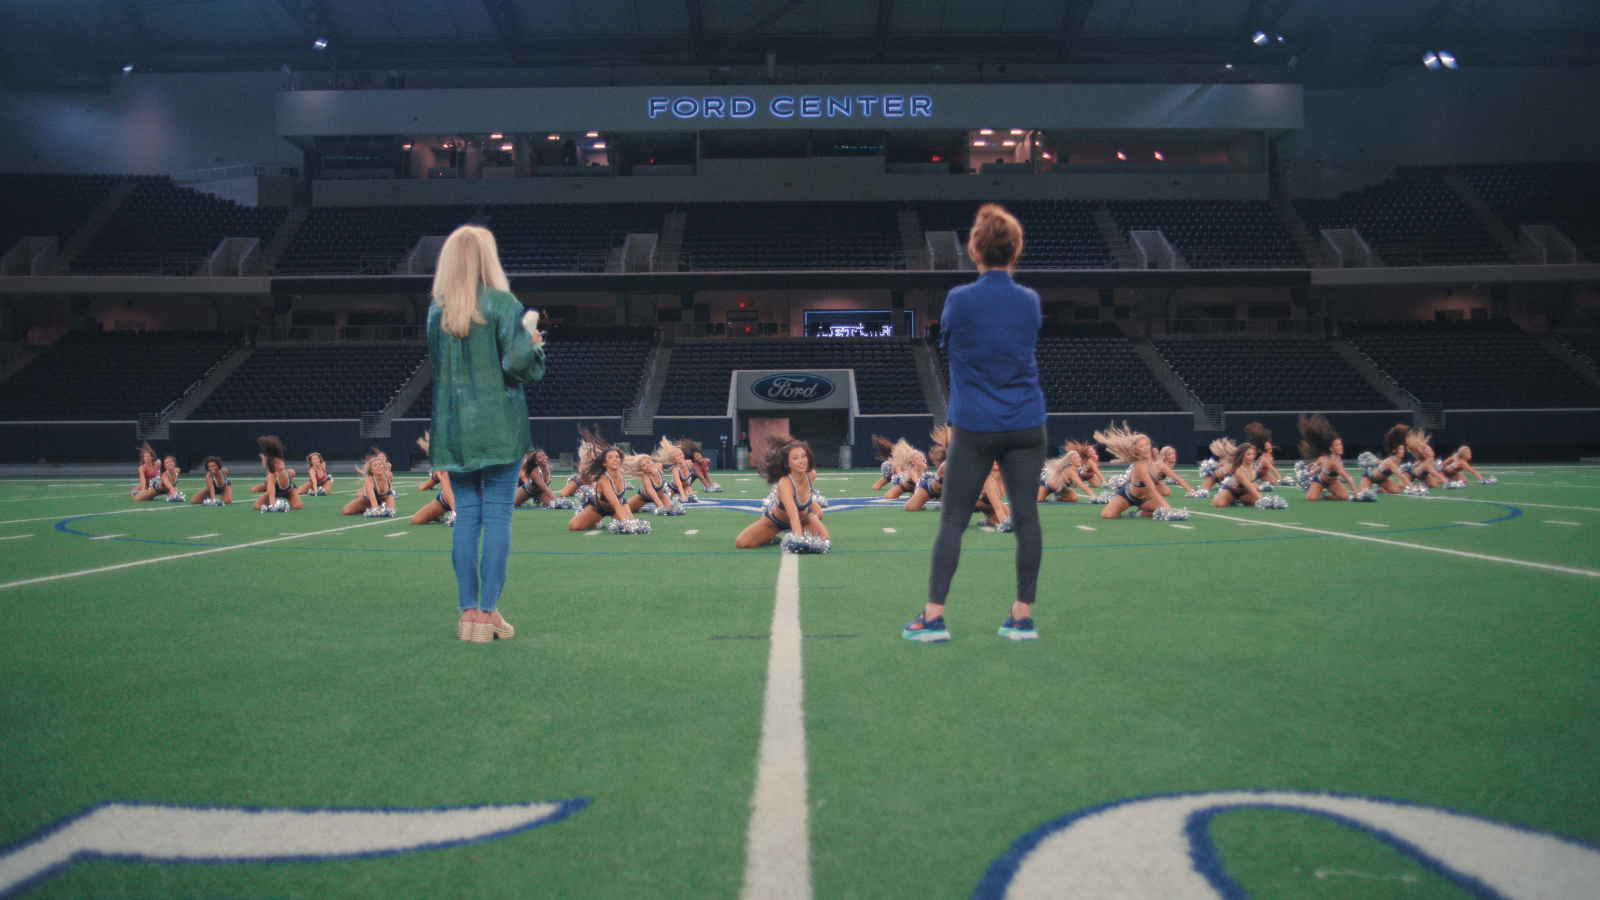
[(1215, 469), (443, 505), (1138, 490), (909, 464), (1321, 444), (1461, 461), (586, 455), (1384, 474), (218, 490), (609, 495), (1059, 477), (789, 508), (149, 486), (699, 466), (376, 497), (1266, 473), (318, 481), (1425, 467), (533, 482), (280, 492), (1164, 460), (930, 486), (675, 469), (652, 485), (883, 450), (1089, 465), (1239, 484)]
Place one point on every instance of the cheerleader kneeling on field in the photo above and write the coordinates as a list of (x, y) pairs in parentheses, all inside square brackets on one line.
[(883, 450), (909, 464), (608, 495), (1138, 489), (1425, 468), (533, 483), (1461, 461), (1089, 463), (218, 489), (376, 497), (1384, 474), (699, 466), (652, 485), (1266, 473), (1321, 444), (1217, 468), (1239, 484), (318, 481), (169, 479), (1164, 460), (442, 508), (280, 493), (149, 486), (675, 469), (931, 485), (790, 509)]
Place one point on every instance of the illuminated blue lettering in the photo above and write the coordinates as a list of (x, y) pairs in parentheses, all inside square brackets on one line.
[(811, 107), (783, 107), (713, 106), (838, 106), (658, 105), (867, 103), (894, 106), (742, 107), (922, 106), (686, 107)]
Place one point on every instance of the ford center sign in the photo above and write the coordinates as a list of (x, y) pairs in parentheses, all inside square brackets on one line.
[(792, 387)]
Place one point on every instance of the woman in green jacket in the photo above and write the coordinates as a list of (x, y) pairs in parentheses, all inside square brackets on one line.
[(484, 347)]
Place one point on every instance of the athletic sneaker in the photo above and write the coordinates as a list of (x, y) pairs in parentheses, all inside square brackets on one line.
[(926, 632), (1019, 629)]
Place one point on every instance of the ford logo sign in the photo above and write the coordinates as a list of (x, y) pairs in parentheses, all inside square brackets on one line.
[(792, 387)]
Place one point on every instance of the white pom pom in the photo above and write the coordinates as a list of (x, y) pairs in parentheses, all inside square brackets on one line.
[(886, 470), (1169, 514), (821, 500), (176, 497), (1208, 468), (1266, 487), (449, 518), (211, 501), (1367, 459), (1273, 502), (1415, 490), (1198, 494), (630, 526), (1004, 526), (804, 543), (1370, 495), (1490, 480), (1103, 497), (1116, 481), (715, 489), (1456, 485), (281, 505)]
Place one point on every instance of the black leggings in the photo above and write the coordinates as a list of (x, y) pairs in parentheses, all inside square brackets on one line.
[(967, 463)]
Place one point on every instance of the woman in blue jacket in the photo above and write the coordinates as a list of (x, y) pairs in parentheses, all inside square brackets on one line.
[(997, 414)]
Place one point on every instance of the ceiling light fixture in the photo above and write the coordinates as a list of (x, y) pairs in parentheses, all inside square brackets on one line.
[(1122, 156), (127, 68), (320, 43), (1431, 60), (1449, 59), (1260, 39)]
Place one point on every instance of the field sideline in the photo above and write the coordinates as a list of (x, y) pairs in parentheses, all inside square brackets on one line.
[(1334, 700)]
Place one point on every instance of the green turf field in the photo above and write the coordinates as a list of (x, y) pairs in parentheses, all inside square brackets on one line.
[(189, 662)]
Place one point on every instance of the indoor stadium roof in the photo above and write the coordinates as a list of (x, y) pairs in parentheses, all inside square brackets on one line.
[(64, 44)]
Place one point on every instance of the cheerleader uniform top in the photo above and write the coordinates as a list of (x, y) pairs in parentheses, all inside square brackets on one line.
[(989, 329), (480, 414)]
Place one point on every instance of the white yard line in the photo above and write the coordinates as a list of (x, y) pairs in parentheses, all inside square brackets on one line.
[(15, 537), (1519, 503), (1083, 528), (199, 536), (890, 531), (157, 559), (778, 844), (117, 512), (1568, 570), (1184, 527), (692, 531), (1555, 522), (1374, 524), (67, 497)]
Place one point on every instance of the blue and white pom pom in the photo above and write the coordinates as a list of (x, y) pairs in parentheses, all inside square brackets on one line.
[(1168, 479), (1044, 477), (1415, 490), (1456, 485), (281, 505), (573, 477), (561, 503), (1368, 460), (178, 497), (925, 483), (1265, 487), (211, 501), (673, 508), (1005, 526), (1116, 481), (1302, 474), (1170, 514), (378, 512), (714, 489), (1370, 495), (1406, 468), (1490, 480), (1103, 497), (630, 526), (1198, 494), (1287, 482), (769, 501), (821, 500), (805, 542), (449, 518), (886, 470), (1208, 468), (1226, 484), (1273, 502), (583, 496)]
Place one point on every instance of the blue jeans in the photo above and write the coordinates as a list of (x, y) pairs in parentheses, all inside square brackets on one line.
[(483, 511)]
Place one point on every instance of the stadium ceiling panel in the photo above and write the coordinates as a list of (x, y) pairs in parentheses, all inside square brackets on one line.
[(85, 44)]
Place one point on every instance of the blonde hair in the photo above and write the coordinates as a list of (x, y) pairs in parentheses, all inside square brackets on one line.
[(1120, 442), (1222, 448), (665, 451), (905, 456), (1056, 466), (1416, 441), (468, 259), (633, 465)]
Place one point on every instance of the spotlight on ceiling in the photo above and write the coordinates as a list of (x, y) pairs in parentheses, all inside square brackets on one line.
[(1228, 66), (127, 67), (1449, 59), (1260, 39), (1280, 39), (1122, 156), (1431, 60), (320, 43)]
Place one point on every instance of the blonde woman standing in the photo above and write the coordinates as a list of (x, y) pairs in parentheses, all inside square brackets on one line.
[(483, 347)]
